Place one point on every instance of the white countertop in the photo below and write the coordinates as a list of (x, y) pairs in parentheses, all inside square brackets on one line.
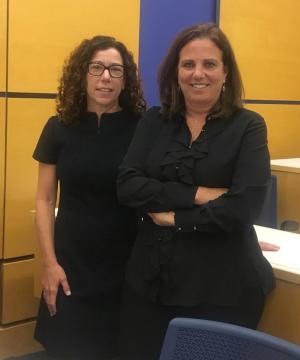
[(289, 165), (285, 261)]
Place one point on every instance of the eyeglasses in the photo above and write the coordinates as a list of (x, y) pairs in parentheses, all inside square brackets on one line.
[(97, 69)]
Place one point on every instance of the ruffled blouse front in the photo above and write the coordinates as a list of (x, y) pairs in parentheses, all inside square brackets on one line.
[(178, 163)]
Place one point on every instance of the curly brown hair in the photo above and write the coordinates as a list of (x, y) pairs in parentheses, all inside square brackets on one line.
[(71, 99), (172, 100)]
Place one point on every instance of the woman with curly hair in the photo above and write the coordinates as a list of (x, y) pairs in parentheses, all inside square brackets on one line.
[(85, 248)]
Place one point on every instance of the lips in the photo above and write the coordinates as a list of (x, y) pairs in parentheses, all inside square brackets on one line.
[(104, 89)]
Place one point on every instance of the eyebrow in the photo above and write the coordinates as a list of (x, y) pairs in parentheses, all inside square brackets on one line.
[(102, 63), (212, 59)]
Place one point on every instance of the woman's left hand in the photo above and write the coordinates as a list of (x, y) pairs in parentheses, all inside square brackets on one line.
[(265, 246), (163, 218)]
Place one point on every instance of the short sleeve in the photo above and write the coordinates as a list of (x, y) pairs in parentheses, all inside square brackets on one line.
[(46, 150)]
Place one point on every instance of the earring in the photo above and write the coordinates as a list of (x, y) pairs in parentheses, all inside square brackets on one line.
[(223, 87)]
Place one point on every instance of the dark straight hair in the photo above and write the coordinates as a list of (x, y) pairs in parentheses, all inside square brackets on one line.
[(172, 100)]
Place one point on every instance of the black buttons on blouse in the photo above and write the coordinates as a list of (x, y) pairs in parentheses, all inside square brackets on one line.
[(187, 228)]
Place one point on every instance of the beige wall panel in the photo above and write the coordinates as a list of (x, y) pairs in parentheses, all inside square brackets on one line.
[(26, 118), (3, 32), (281, 316), (18, 300), (283, 123), (2, 164), (41, 35), (265, 38), (18, 340), (288, 196)]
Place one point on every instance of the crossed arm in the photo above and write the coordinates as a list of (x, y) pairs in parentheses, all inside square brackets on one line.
[(210, 209)]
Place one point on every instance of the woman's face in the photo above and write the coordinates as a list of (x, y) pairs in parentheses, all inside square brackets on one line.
[(103, 91), (201, 73)]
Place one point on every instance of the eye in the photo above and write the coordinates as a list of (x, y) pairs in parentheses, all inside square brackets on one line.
[(210, 64), (188, 64), (117, 70), (96, 66)]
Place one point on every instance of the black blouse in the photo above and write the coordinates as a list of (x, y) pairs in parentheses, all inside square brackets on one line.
[(212, 252)]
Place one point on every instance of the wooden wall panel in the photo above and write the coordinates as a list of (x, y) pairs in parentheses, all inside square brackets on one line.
[(265, 38), (3, 42), (281, 316), (2, 167), (17, 340), (288, 196), (41, 35), (18, 301), (283, 122), (26, 118)]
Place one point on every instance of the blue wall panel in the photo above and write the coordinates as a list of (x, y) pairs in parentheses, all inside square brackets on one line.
[(160, 21)]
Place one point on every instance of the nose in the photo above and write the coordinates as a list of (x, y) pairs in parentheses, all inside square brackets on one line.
[(106, 75), (199, 71)]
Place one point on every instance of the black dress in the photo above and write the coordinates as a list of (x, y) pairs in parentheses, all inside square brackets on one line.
[(93, 233)]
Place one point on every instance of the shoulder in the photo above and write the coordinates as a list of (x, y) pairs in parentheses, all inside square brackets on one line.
[(54, 121), (54, 124), (55, 130), (47, 146), (248, 116), (152, 121), (244, 119)]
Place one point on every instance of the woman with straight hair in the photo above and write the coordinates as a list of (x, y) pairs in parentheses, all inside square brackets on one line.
[(197, 172)]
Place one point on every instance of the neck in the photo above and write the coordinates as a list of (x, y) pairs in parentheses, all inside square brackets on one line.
[(193, 110)]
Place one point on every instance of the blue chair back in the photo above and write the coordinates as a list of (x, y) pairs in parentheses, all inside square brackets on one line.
[(196, 339)]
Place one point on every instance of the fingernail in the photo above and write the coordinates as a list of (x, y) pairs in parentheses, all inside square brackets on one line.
[(68, 293)]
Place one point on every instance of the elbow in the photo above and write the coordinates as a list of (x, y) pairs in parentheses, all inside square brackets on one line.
[(122, 195)]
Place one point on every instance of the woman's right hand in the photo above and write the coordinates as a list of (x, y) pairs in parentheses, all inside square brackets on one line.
[(205, 194), (53, 277)]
